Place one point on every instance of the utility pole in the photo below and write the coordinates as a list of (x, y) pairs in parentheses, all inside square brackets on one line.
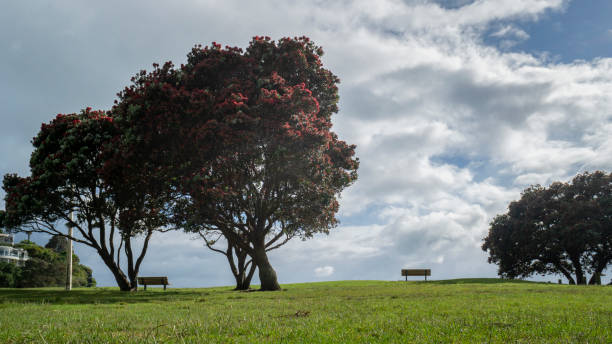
[(69, 255)]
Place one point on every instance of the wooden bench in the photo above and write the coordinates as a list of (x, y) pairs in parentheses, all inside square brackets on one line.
[(416, 272), (153, 281)]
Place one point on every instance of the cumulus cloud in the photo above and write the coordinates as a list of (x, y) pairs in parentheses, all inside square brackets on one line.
[(324, 271), (448, 129)]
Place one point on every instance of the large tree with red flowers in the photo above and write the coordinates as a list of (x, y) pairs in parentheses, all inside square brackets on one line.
[(246, 138), (81, 176)]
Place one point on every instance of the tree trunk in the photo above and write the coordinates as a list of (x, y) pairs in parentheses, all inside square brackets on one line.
[(132, 273), (123, 282), (567, 274), (240, 271), (267, 275), (133, 283), (596, 278), (239, 267), (242, 282), (249, 277), (243, 279), (580, 277)]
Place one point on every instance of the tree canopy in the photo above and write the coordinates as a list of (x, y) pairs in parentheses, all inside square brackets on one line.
[(76, 169), (246, 138), (565, 228), (234, 145)]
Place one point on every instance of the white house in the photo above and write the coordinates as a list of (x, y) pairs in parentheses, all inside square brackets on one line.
[(10, 254)]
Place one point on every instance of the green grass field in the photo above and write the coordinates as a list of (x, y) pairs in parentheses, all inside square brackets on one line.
[(457, 311)]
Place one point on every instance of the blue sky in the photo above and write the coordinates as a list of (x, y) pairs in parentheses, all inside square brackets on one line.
[(582, 31), (577, 30), (455, 106)]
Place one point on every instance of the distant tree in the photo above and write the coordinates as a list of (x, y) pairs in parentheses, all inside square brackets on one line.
[(78, 167), (565, 228), (10, 275), (58, 244), (248, 138), (44, 268), (47, 268), (82, 275)]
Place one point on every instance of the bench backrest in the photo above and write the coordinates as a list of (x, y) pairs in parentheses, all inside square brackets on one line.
[(153, 280), (416, 272)]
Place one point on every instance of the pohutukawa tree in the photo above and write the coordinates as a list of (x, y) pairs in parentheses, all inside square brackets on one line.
[(246, 136), (76, 168), (565, 228), (241, 264)]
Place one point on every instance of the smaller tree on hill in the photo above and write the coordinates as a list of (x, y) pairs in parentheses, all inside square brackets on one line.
[(565, 228), (58, 244)]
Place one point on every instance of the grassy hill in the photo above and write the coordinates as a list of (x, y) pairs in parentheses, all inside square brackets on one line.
[(459, 311)]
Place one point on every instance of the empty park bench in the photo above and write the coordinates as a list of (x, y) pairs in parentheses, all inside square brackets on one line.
[(416, 272), (153, 281)]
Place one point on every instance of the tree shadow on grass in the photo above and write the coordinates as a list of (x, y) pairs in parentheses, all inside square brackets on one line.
[(477, 280), (98, 295)]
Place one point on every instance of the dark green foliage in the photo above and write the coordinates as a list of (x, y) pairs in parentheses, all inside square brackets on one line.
[(2, 216), (9, 275), (58, 244), (45, 268), (42, 273), (565, 228)]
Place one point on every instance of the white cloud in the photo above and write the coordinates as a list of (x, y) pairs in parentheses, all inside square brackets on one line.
[(509, 36), (324, 271), (512, 31)]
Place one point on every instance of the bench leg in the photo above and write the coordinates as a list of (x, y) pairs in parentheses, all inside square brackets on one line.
[(145, 287), (164, 287)]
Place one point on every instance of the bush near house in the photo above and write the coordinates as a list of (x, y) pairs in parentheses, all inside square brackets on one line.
[(45, 268)]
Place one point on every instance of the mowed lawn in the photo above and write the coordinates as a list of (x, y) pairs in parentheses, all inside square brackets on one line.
[(456, 311)]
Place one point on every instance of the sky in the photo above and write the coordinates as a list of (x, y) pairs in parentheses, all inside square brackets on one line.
[(455, 106)]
